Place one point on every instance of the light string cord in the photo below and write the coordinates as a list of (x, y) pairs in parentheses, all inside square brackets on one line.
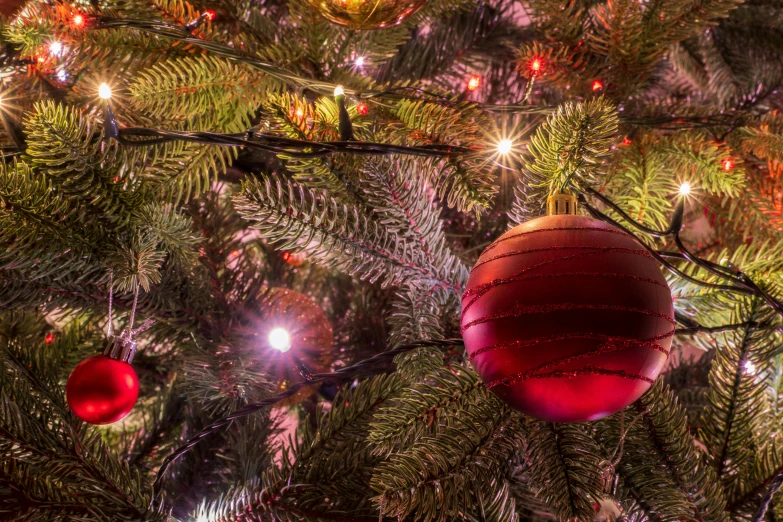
[(738, 281), (142, 137), (367, 367), (774, 486)]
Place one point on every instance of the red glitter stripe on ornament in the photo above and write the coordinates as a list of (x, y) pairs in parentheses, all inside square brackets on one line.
[(517, 311), (620, 341), (570, 374), (480, 290), (643, 253), (555, 229)]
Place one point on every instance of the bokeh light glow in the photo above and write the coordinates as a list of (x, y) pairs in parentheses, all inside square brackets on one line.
[(280, 339)]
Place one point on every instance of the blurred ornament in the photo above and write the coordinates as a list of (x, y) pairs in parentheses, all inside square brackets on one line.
[(9, 8), (367, 14), (103, 388), (294, 331), (567, 318), (362, 109)]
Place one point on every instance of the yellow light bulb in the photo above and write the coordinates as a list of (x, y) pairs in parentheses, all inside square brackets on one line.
[(685, 189), (504, 147), (339, 91), (104, 91), (280, 339)]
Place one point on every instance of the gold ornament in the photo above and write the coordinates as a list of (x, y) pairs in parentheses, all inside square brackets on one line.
[(367, 14), (308, 337)]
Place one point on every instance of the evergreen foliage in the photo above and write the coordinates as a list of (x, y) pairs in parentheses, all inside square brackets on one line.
[(629, 99)]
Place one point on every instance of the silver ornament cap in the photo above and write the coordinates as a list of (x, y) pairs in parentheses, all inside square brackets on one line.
[(120, 348)]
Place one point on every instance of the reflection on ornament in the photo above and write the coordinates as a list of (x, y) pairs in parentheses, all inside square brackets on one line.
[(567, 318), (367, 14), (608, 509), (289, 318)]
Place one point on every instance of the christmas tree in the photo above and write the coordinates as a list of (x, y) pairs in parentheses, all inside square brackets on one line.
[(394, 260)]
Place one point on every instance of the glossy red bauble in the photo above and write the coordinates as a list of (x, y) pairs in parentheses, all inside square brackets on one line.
[(567, 318), (101, 390)]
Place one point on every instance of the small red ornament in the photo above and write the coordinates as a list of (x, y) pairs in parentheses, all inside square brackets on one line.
[(362, 109), (597, 85), (567, 318), (474, 83), (728, 164), (49, 339), (103, 388), (626, 141), (210, 14)]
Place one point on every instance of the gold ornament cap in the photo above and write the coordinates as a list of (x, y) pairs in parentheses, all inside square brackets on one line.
[(561, 204)]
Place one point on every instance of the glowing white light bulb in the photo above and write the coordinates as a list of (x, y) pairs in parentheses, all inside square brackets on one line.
[(504, 147), (338, 91), (56, 48), (750, 368), (280, 339), (685, 189), (359, 61), (104, 91), (62, 75)]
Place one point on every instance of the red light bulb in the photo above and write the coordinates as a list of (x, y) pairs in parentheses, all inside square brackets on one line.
[(474, 83), (598, 85), (728, 164), (49, 338), (210, 14), (535, 65), (78, 20), (362, 109), (626, 140)]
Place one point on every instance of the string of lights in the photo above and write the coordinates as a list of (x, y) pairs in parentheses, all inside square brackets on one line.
[(374, 365), (280, 339), (536, 69)]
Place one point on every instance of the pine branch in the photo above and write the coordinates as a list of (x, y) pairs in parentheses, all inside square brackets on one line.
[(302, 220), (565, 468)]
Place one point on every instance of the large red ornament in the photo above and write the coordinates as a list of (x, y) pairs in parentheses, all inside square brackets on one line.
[(567, 318), (102, 390)]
